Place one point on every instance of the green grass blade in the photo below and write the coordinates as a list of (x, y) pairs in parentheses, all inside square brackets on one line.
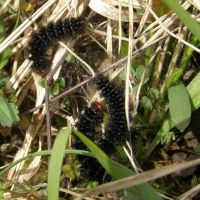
[(55, 164), (41, 153), (119, 171), (192, 25)]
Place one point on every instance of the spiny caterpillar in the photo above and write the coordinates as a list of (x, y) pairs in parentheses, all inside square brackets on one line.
[(90, 119), (46, 36), (115, 131), (87, 124)]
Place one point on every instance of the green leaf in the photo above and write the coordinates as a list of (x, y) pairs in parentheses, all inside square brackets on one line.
[(8, 113), (119, 171), (179, 106), (55, 165), (184, 16), (146, 102), (66, 102), (154, 93), (122, 76), (55, 89), (70, 171), (139, 72), (41, 82), (194, 91), (62, 82), (4, 56), (124, 48)]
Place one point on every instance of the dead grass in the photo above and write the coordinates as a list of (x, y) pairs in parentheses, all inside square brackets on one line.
[(146, 32)]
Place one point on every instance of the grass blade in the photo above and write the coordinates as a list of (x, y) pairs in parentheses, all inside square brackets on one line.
[(184, 16), (119, 171), (55, 165)]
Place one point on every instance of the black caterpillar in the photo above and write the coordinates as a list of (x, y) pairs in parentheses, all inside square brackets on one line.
[(115, 132), (46, 36), (87, 124), (88, 121), (116, 129)]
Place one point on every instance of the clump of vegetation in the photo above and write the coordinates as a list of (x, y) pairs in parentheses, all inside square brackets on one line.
[(151, 51)]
